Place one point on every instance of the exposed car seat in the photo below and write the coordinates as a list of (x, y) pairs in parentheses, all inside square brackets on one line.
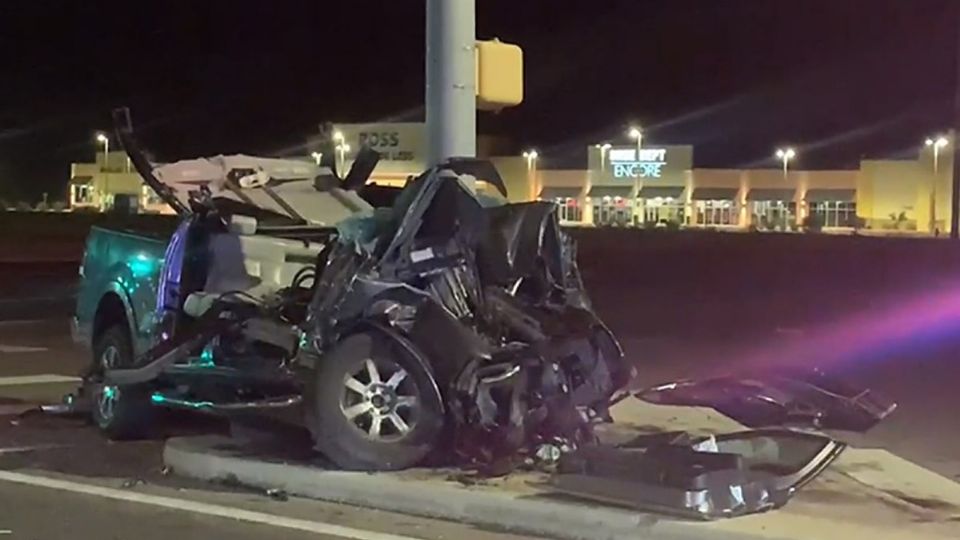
[(256, 265)]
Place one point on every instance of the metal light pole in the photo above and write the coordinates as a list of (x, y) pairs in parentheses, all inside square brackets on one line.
[(531, 157), (342, 150), (338, 141), (785, 155), (936, 144), (451, 80), (637, 133), (105, 141), (955, 194), (603, 155)]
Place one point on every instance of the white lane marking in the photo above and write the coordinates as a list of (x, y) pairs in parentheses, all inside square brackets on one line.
[(199, 507), (46, 378), (13, 349), (19, 322), (23, 449)]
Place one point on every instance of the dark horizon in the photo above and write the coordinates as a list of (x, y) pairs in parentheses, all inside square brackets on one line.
[(839, 80)]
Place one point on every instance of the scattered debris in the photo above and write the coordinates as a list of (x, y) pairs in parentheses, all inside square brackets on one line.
[(277, 494), (131, 483), (713, 477), (777, 397)]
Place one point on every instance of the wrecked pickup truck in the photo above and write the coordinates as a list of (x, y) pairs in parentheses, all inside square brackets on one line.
[(427, 323), (444, 320)]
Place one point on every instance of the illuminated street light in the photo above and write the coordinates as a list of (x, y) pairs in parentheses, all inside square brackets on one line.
[(105, 141), (317, 156), (785, 155), (937, 143), (531, 157), (342, 149), (637, 133), (603, 154)]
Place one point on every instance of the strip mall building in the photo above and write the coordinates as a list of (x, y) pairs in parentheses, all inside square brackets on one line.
[(653, 186), (658, 186)]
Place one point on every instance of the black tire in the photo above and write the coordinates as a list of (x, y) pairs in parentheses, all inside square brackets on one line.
[(351, 444), (131, 416)]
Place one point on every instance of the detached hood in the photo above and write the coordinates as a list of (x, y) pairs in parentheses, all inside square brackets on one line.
[(779, 397)]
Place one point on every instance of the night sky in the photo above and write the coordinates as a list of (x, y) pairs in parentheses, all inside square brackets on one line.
[(839, 79)]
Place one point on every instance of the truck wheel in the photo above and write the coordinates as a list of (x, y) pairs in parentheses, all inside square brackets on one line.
[(373, 406), (121, 412)]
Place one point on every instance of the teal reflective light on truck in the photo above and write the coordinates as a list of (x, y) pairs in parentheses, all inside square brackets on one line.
[(159, 399), (142, 265)]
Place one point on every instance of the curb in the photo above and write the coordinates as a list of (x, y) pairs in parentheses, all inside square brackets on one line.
[(213, 458)]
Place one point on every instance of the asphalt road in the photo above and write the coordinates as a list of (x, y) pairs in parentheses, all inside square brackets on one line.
[(120, 491), (38, 362)]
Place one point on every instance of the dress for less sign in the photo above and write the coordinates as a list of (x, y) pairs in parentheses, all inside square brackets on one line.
[(400, 141)]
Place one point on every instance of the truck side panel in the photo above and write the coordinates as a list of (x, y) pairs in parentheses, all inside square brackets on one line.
[(125, 266)]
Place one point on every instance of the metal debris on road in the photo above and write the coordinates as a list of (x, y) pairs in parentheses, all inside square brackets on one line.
[(277, 494)]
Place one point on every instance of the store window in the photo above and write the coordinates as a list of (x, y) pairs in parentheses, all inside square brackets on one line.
[(82, 194), (716, 213), (661, 211), (612, 212), (835, 213), (774, 215), (570, 210)]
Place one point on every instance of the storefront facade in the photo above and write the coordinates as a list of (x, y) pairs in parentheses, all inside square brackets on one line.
[(110, 183), (657, 187)]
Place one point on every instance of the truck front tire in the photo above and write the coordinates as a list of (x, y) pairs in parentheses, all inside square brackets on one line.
[(372, 406), (121, 412)]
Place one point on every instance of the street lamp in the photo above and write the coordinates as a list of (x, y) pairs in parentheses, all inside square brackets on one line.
[(317, 156), (637, 133), (342, 149), (603, 154), (937, 143), (531, 157), (105, 141), (785, 155)]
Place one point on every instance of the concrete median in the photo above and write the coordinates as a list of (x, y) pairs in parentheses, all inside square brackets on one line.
[(518, 504)]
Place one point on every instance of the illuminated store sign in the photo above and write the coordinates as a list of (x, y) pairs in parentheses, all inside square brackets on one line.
[(633, 163)]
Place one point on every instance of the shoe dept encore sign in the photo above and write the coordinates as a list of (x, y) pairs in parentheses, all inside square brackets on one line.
[(638, 163)]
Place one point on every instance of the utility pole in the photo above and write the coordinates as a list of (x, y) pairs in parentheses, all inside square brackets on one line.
[(955, 192), (451, 80)]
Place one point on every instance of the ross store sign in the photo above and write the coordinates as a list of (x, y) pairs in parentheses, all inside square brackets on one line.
[(395, 141), (634, 163)]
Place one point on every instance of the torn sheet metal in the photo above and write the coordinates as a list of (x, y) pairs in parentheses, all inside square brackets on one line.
[(731, 475), (779, 397)]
